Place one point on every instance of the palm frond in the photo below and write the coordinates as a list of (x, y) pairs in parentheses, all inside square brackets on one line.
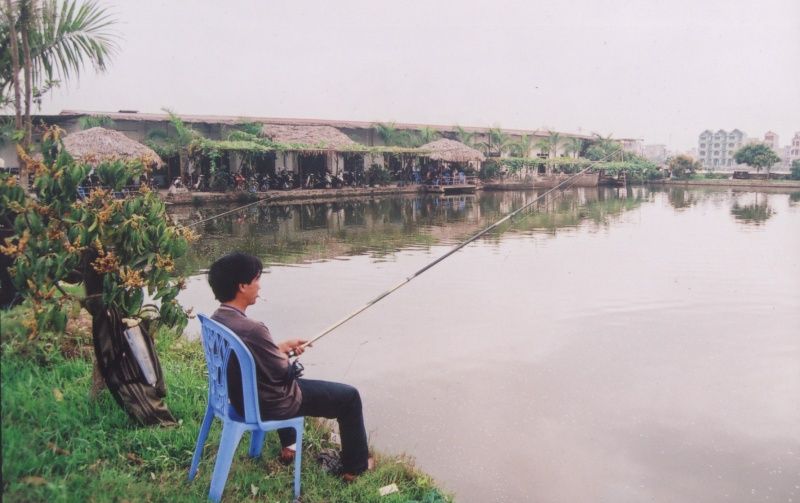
[(69, 36)]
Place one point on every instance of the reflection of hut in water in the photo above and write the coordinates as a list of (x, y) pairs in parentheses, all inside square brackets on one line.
[(319, 149), (96, 145)]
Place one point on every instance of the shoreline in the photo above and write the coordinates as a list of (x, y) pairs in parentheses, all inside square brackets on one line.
[(755, 184), (302, 195)]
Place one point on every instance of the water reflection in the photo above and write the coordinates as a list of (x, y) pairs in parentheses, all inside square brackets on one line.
[(290, 234), (681, 198), (755, 212)]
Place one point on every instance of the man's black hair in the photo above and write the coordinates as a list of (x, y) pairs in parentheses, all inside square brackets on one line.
[(230, 271)]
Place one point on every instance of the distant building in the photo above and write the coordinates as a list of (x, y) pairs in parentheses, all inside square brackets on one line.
[(715, 149), (632, 145), (772, 141), (656, 153), (794, 148)]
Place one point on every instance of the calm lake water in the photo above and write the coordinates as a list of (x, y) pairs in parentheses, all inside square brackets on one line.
[(615, 345)]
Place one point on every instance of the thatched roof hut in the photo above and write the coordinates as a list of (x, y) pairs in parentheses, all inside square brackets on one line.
[(452, 151), (97, 144), (313, 137)]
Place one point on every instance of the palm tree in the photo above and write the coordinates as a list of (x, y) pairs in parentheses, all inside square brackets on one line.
[(90, 121), (44, 43), (602, 148), (390, 134), (427, 135), (464, 136), (573, 146), (496, 142), (185, 135), (553, 138), (522, 147)]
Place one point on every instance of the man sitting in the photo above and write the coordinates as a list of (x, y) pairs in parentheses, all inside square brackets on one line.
[(235, 280)]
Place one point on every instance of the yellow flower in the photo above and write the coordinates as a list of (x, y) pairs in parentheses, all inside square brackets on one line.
[(188, 234), (15, 250), (165, 262), (106, 263), (132, 278)]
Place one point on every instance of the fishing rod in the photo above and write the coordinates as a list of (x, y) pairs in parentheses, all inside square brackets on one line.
[(240, 208), (407, 280)]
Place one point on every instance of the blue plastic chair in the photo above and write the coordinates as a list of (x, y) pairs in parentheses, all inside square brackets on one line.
[(218, 343)]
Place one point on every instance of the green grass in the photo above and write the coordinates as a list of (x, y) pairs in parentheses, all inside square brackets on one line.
[(58, 445)]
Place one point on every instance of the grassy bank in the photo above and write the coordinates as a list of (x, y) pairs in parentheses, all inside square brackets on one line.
[(59, 445)]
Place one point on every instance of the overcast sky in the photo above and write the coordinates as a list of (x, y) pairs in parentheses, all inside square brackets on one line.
[(658, 70)]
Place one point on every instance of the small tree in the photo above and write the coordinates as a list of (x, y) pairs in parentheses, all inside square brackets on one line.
[(683, 165), (756, 156), (795, 169), (116, 246)]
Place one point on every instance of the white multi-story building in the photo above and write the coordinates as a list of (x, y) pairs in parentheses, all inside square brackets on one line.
[(794, 148), (715, 149)]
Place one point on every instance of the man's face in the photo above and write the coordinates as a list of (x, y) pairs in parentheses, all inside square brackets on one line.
[(250, 290)]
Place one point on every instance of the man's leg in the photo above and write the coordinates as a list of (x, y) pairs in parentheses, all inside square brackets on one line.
[(343, 403)]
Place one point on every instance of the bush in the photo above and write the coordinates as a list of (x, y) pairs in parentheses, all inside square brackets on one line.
[(117, 243), (378, 175), (489, 170)]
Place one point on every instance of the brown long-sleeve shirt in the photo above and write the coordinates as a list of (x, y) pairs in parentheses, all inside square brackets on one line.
[(277, 400)]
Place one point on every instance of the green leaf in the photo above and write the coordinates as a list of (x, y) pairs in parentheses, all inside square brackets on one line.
[(59, 320), (135, 301)]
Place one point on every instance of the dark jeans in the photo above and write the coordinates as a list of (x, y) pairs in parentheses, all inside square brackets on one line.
[(342, 402)]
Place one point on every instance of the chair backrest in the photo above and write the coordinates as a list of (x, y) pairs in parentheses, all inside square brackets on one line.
[(218, 344)]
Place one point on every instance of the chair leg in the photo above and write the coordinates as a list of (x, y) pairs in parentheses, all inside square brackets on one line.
[(297, 458), (231, 435), (256, 443), (205, 426)]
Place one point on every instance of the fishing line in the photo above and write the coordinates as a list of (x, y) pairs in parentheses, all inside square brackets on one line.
[(450, 252)]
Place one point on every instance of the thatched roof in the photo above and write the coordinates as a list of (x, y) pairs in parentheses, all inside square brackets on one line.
[(97, 144), (452, 151), (321, 137)]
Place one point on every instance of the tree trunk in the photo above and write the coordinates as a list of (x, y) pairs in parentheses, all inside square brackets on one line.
[(116, 358), (15, 69), (12, 30), (27, 68), (26, 10)]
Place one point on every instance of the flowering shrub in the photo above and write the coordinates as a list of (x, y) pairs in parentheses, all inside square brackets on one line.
[(117, 242)]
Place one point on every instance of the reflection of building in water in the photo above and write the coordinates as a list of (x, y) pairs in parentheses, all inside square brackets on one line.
[(308, 232)]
